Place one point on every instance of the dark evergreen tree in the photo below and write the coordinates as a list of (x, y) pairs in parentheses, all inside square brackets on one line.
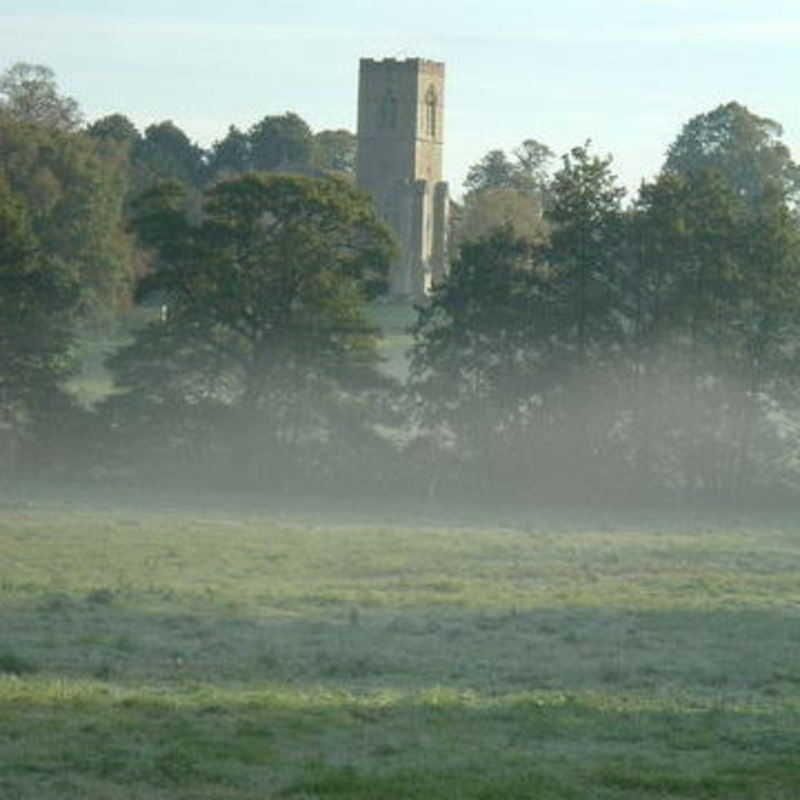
[(166, 153), (115, 128), (230, 155), (283, 141)]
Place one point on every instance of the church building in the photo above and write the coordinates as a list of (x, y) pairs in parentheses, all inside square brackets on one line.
[(399, 162)]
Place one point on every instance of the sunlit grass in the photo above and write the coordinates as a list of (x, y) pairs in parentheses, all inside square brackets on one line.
[(222, 655), (281, 736)]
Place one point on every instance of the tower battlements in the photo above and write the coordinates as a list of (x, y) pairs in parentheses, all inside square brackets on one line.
[(399, 63)]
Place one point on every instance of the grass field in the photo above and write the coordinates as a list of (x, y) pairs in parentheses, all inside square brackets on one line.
[(221, 651)]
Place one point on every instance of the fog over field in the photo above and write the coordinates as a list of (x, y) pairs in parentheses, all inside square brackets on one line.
[(315, 483), (167, 644)]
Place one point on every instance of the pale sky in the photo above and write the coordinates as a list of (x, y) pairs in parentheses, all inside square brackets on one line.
[(626, 74)]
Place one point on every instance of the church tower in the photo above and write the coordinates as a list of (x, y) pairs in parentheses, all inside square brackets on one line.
[(399, 162)]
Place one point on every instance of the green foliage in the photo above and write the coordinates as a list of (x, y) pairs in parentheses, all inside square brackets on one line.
[(653, 347), (165, 153), (114, 127), (475, 347), (503, 207), (526, 171), (266, 326), (741, 146), (73, 188), (507, 192), (13, 664), (335, 150), (231, 155), (716, 292), (28, 93), (280, 142), (513, 348), (584, 251), (715, 309), (492, 171), (38, 298), (485, 366)]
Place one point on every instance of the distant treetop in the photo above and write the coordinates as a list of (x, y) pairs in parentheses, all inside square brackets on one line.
[(29, 93)]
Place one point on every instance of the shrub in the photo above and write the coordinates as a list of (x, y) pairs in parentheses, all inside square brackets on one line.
[(13, 664)]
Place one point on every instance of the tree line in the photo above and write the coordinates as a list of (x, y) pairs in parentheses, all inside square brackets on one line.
[(582, 346), (77, 180), (635, 347)]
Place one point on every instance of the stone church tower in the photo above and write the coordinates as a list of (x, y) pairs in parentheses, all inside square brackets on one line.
[(399, 162)]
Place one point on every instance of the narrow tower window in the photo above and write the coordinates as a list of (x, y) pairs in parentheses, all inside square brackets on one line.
[(387, 115), (431, 103)]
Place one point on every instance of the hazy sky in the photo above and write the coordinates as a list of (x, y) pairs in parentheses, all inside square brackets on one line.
[(625, 73)]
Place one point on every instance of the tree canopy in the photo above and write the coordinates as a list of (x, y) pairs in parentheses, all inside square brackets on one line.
[(525, 171), (280, 141), (584, 247), (116, 128), (503, 191), (29, 93), (265, 296), (74, 190), (37, 301), (647, 346), (653, 345), (745, 148), (335, 150), (166, 153)]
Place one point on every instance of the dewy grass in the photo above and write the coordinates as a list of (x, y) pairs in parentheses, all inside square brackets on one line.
[(236, 656)]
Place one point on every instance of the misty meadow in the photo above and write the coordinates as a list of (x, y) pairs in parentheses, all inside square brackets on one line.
[(301, 501)]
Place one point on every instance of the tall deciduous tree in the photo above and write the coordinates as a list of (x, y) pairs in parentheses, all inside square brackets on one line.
[(479, 350), (29, 93), (73, 188), (516, 351), (504, 207), (266, 320), (585, 247), (715, 312), (768, 328), (494, 171), (728, 194), (526, 171), (686, 281), (335, 150), (503, 191), (37, 301), (745, 149)]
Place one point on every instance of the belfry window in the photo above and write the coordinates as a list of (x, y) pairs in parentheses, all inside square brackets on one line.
[(431, 102), (387, 116)]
